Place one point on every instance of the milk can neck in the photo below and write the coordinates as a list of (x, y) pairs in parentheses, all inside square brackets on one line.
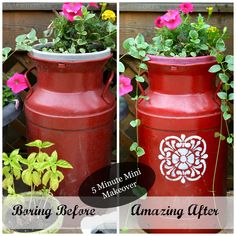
[(70, 77), (180, 79)]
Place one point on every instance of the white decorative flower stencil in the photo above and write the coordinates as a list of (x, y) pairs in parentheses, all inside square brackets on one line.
[(183, 158)]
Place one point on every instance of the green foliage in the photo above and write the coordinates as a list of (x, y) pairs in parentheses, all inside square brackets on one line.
[(224, 70), (190, 39), (87, 33), (38, 169), (7, 96)]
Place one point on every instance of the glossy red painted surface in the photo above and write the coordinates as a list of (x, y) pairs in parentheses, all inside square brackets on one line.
[(70, 106), (177, 123)]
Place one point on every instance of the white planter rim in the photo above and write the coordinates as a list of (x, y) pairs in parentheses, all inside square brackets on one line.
[(70, 57)]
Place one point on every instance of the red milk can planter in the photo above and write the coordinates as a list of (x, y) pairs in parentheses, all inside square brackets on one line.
[(177, 128), (70, 106)]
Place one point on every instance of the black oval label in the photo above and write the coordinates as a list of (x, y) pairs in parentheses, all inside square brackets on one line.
[(117, 185)]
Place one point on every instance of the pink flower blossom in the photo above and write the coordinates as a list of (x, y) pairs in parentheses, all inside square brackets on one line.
[(172, 19), (124, 85), (17, 83), (186, 7), (93, 4), (72, 9), (159, 22)]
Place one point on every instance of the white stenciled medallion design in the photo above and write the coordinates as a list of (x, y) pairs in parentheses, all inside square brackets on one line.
[(183, 158)]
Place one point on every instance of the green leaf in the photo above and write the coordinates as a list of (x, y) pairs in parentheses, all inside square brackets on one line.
[(54, 183), (64, 164), (31, 158), (169, 42), (27, 177), (43, 40), (21, 38), (142, 53), (226, 115), (135, 98), (223, 77), (60, 175), (54, 156), (14, 153), (222, 95), (216, 134), (36, 177), (10, 190), (219, 58), (6, 170), (139, 39), (214, 68), (5, 157), (135, 123), (143, 66), (121, 67), (144, 97), (134, 52), (232, 84), (133, 146), (229, 59), (193, 54), (5, 52), (44, 165), (224, 107), (110, 27), (230, 67), (46, 177), (139, 78), (220, 45), (32, 35), (204, 47), (47, 144), (36, 143), (140, 151), (128, 43), (229, 140), (17, 173), (15, 165), (193, 34), (90, 16), (231, 96), (222, 137)]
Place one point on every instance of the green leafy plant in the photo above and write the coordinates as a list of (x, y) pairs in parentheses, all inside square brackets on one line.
[(224, 70), (82, 33), (39, 169)]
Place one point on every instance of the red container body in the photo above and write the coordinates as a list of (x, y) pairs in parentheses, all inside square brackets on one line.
[(70, 106), (177, 129)]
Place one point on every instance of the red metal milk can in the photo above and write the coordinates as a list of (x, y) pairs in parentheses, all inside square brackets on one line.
[(177, 128), (70, 106)]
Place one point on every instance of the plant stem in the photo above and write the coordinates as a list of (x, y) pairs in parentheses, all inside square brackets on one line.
[(216, 165)]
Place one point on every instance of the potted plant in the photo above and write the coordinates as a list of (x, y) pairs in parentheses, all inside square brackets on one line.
[(182, 118), (70, 104), (12, 104), (40, 172)]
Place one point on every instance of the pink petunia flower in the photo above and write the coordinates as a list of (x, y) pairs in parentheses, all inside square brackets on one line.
[(186, 7), (172, 19), (17, 83), (93, 4), (159, 22), (124, 85), (72, 9)]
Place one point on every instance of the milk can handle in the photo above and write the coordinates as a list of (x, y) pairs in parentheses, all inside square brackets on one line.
[(107, 87), (27, 80), (218, 90)]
